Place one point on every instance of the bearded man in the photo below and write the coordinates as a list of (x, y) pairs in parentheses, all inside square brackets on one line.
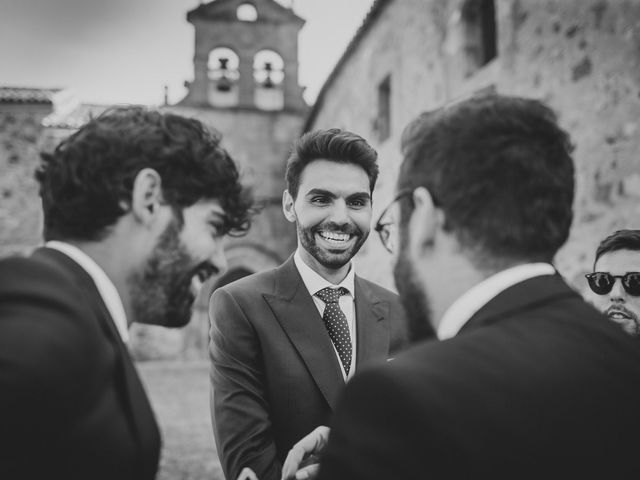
[(135, 207), (617, 258), (285, 341)]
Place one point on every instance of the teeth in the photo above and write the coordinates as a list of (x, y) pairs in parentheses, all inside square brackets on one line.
[(336, 237)]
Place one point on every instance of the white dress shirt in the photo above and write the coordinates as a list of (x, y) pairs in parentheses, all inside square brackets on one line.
[(314, 282), (105, 286), (465, 307)]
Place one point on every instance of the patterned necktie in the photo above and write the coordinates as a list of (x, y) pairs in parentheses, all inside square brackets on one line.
[(336, 323)]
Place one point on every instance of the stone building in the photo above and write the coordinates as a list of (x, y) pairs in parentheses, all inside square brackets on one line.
[(580, 56), (22, 111)]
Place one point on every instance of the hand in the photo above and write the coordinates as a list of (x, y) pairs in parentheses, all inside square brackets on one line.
[(247, 474), (303, 459)]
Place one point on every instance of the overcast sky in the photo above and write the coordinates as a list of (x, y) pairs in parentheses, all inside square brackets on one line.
[(125, 51)]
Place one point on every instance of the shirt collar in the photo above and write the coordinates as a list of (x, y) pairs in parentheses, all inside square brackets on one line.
[(461, 311), (314, 282), (105, 286)]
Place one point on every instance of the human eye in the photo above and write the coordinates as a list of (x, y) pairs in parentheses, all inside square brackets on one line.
[(358, 202), (320, 200)]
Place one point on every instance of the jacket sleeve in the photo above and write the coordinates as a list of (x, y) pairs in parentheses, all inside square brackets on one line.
[(239, 405)]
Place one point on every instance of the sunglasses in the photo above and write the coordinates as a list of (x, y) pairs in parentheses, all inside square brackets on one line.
[(602, 282)]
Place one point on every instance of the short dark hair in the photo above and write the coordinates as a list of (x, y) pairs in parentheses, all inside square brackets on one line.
[(501, 170), (86, 182), (335, 145), (618, 240)]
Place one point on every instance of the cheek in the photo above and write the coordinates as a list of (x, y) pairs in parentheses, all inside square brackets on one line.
[(362, 219), (600, 301), (633, 304), (198, 245), (311, 217)]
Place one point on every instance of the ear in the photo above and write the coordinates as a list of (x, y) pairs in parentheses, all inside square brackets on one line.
[(287, 206), (427, 220), (146, 196)]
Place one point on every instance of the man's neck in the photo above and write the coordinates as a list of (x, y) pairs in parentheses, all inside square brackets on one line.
[(332, 275), (115, 265)]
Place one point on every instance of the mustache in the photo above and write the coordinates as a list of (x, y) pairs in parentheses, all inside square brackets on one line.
[(618, 308), (348, 228)]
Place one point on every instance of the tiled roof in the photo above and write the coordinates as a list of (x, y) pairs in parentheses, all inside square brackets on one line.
[(27, 95), (376, 8)]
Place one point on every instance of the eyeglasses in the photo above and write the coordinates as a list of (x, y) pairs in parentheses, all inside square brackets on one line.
[(602, 282), (387, 228)]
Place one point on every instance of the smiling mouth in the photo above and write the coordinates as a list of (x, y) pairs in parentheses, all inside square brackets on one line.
[(335, 238)]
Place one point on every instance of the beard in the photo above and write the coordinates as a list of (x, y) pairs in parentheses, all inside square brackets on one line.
[(414, 299), (331, 258), (624, 317), (161, 293)]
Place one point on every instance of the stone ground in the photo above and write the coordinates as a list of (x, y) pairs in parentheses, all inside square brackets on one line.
[(179, 393)]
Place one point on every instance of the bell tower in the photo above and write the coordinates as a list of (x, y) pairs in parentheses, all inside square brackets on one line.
[(245, 86), (246, 56)]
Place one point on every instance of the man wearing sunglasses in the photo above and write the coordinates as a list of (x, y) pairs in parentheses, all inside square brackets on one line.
[(615, 281), (526, 380)]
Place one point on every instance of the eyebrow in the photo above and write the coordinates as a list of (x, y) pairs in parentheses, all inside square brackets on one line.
[(327, 193)]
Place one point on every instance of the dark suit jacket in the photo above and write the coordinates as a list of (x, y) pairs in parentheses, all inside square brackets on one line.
[(538, 385), (275, 374), (71, 403)]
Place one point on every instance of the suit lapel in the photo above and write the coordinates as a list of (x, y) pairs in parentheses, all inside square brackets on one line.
[(521, 297), (134, 398), (372, 329), (294, 309)]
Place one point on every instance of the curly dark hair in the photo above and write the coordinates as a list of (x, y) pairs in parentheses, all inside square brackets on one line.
[(501, 170), (333, 144), (618, 240), (87, 181)]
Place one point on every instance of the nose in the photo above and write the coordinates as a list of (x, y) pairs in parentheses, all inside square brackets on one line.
[(617, 293), (218, 257), (339, 212)]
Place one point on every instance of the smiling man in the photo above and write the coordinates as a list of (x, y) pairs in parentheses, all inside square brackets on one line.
[(285, 341), (136, 204), (615, 281)]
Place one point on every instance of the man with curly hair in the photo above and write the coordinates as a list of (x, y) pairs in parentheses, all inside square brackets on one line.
[(136, 204)]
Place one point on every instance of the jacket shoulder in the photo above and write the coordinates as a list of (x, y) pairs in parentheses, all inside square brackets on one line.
[(34, 274), (254, 284)]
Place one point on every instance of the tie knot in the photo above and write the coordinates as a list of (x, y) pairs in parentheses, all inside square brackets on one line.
[(331, 295)]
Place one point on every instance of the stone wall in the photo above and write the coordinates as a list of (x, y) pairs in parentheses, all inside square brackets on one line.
[(580, 56), (20, 210)]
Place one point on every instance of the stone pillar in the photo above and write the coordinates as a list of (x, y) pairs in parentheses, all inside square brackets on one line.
[(245, 82), (200, 87)]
